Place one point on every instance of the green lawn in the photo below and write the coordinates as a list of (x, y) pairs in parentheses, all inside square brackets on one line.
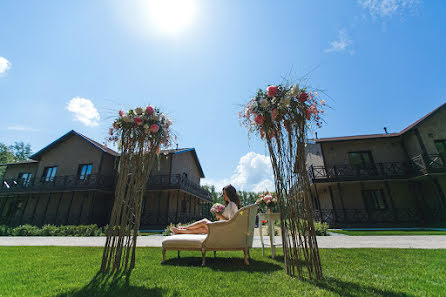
[(71, 271), (388, 232)]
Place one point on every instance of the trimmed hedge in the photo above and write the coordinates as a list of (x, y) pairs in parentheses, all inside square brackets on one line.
[(52, 230)]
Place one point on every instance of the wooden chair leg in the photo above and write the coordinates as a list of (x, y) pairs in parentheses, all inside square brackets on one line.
[(164, 256), (245, 252), (203, 259), (215, 254), (178, 254)]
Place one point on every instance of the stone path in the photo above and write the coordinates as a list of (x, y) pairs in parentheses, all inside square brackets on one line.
[(416, 242)]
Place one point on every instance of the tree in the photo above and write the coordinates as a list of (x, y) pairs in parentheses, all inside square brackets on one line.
[(6, 156), (21, 150)]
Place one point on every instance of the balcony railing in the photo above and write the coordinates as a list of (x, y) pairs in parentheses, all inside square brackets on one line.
[(429, 163), (176, 181), (345, 172), (57, 183)]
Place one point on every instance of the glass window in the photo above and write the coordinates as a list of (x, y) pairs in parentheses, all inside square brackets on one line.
[(360, 159), (374, 199), (441, 148), (25, 178), (85, 171), (49, 173)]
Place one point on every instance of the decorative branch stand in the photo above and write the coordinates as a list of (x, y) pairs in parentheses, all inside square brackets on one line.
[(140, 134), (280, 116)]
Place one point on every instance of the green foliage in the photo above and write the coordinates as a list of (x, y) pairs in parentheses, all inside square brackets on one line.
[(52, 230), (19, 151), (321, 228)]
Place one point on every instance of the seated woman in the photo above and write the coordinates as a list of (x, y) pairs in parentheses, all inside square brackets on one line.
[(232, 204)]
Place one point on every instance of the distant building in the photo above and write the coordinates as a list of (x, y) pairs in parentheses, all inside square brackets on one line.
[(391, 179), (72, 180)]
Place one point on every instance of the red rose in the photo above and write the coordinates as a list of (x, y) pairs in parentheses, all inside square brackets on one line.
[(259, 119), (303, 97), (138, 121), (150, 110), (271, 91)]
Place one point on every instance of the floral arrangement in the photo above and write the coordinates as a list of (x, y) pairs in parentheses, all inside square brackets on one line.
[(267, 199), (277, 105), (150, 122), (217, 208)]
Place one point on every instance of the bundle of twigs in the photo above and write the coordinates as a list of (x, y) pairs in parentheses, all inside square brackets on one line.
[(139, 134), (281, 116)]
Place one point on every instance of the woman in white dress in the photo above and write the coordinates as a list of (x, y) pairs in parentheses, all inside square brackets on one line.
[(232, 205)]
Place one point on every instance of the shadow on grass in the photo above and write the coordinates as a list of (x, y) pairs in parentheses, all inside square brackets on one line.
[(349, 289), (225, 264), (117, 284)]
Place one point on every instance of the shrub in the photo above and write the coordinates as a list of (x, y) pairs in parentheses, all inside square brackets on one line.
[(321, 228), (26, 230), (52, 230), (5, 230)]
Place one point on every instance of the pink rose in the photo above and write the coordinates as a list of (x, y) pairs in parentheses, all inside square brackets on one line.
[(271, 91), (110, 131), (322, 101), (259, 119), (274, 114), (138, 121), (303, 97), (154, 128), (121, 113), (150, 110)]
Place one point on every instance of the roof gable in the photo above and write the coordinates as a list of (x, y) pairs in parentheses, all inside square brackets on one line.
[(68, 135)]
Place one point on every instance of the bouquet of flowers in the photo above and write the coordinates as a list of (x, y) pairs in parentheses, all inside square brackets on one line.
[(217, 208), (267, 200)]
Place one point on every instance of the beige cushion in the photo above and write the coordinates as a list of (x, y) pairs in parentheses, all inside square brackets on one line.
[(184, 241)]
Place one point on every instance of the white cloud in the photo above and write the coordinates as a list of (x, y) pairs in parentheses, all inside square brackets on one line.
[(22, 128), (84, 111), (342, 43), (4, 65), (253, 173), (389, 8)]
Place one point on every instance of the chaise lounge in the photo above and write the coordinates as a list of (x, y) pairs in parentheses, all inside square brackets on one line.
[(234, 234)]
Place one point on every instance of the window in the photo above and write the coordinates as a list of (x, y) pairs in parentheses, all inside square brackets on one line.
[(361, 160), (441, 148), (24, 179), (374, 199), (84, 171), (49, 173), (184, 175)]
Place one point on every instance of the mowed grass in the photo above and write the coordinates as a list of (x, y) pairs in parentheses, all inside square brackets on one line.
[(72, 271), (388, 232)]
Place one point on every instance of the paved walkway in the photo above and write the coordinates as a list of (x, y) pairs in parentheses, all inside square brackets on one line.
[(415, 242)]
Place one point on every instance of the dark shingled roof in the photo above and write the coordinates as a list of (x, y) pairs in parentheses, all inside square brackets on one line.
[(19, 162), (374, 136)]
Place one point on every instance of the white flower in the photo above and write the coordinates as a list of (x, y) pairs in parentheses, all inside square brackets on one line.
[(139, 110), (127, 119), (295, 90), (286, 101), (264, 103)]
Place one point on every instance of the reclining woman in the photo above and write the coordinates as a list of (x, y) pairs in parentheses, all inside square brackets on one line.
[(232, 204)]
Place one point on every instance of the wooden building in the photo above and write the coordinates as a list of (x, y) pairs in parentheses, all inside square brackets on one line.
[(390, 179), (71, 181)]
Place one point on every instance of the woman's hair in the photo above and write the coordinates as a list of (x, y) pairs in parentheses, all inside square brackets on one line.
[(231, 192)]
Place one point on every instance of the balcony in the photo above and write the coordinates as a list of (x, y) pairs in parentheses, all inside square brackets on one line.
[(348, 172), (176, 182), (433, 163), (58, 183)]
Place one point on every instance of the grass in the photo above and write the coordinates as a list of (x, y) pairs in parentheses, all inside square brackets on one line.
[(72, 271), (388, 232)]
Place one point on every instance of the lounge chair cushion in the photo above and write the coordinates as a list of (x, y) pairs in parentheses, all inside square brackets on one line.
[(184, 241)]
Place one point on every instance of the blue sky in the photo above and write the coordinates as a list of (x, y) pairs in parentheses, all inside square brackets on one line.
[(381, 62)]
